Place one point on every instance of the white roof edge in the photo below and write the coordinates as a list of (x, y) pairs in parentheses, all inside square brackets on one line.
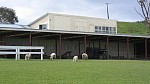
[(73, 32), (13, 26), (38, 19), (80, 16)]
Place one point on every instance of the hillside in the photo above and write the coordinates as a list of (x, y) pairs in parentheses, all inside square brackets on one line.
[(132, 28)]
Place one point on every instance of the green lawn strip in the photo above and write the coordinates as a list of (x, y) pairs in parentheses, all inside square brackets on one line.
[(68, 72)]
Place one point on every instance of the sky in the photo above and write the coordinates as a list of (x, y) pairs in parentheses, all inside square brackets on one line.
[(29, 10)]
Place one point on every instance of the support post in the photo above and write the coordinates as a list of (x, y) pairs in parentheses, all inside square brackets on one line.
[(107, 44), (128, 48), (16, 54), (79, 48), (118, 51), (145, 48), (41, 54), (30, 39), (60, 45), (56, 46), (85, 43)]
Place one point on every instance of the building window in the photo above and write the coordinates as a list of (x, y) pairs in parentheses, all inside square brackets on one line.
[(43, 26), (96, 28), (107, 29), (103, 29)]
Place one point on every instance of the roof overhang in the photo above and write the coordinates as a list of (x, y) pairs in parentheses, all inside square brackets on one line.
[(71, 32)]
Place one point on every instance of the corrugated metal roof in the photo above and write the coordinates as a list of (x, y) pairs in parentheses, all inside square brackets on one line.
[(13, 26), (26, 28)]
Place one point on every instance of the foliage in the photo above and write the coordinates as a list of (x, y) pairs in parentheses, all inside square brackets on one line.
[(136, 28), (68, 72), (7, 15)]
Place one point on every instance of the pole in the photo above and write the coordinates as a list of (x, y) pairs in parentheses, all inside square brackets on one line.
[(107, 11), (107, 46), (84, 43), (60, 45), (145, 48), (30, 39), (128, 48)]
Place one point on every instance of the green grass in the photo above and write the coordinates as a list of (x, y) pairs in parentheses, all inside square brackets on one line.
[(133, 28), (68, 72)]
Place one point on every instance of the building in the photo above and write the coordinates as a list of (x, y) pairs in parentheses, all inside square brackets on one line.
[(67, 43), (63, 22)]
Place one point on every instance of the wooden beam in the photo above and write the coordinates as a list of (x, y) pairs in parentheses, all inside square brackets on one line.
[(56, 46), (42, 36), (118, 50), (107, 42), (60, 45), (14, 35), (107, 46), (145, 48), (79, 48), (127, 48), (30, 39), (85, 43)]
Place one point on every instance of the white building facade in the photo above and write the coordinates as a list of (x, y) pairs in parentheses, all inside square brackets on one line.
[(51, 21)]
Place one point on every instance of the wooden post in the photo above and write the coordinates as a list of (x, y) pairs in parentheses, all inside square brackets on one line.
[(118, 50), (30, 39), (85, 43), (107, 44), (56, 47), (60, 45), (145, 48), (127, 48), (79, 48)]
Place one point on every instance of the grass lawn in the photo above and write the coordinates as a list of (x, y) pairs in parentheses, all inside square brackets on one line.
[(68, 72)]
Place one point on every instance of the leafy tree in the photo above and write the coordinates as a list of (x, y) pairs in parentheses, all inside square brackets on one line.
[(7, 16)]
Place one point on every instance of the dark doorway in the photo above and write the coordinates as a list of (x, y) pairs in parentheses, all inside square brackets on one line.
[(140, 50)]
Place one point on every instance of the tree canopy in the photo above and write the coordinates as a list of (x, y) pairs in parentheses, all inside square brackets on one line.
[(8, 16)]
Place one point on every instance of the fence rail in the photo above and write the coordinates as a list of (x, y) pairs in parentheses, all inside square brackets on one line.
[(17, 50)]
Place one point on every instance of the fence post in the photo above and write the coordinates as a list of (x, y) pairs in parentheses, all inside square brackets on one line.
[(41, 54), (16, 54)]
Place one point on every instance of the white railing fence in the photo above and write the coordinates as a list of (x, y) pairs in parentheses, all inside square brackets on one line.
[(17, 50)]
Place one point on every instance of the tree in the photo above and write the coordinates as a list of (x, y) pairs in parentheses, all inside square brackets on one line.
[(7, 16), (145, 8)]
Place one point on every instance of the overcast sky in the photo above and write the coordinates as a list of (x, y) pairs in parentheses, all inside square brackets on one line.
[(29, 10)]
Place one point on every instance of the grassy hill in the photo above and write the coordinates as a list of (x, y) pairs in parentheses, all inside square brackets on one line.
[(132, 28)]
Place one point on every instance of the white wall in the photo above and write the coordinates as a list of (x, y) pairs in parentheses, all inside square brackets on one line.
[(73, 23)]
